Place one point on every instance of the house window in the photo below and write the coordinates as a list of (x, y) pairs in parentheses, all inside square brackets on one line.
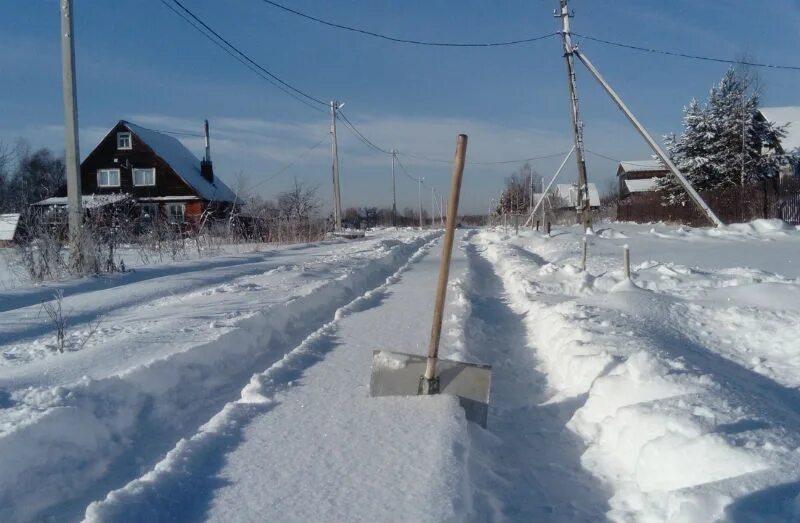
[(144, 176), (108, 178), (175, 212), (124, 141)]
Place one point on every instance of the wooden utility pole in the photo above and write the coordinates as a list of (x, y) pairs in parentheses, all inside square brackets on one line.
[(337, 197), (433, 207), (583, 204), (394, 191), (71, 145), (429, 382), (419, 198)]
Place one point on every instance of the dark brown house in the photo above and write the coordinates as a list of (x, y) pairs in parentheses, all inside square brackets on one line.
[(639, 177), (155, 172)]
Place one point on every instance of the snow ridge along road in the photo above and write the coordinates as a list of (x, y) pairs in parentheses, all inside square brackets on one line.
[(63, 446), (673, 423)]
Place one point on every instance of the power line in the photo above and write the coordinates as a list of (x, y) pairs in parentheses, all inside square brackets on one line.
[(403, 168), (686, 55), (289, 165), (366, 141), (242, 57), (616, 160), (176, 133), (407, 40), (498, 162)]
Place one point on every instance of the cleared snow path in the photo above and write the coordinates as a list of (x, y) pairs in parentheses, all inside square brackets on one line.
[(306, 443), (67, 440), (527, 467)]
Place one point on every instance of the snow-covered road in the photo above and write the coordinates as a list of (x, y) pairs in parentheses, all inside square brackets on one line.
[(238, 392)]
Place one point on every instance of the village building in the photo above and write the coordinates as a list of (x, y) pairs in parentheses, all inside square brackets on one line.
[(567, 196), (639, 177), (789, 119), (9, 229), (152, 172)]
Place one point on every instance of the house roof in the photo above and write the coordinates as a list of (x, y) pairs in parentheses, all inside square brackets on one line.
[(8, 226), (641, 185), (789, 116), (569, 192), (88, 201), (641, 166), (183, 162)]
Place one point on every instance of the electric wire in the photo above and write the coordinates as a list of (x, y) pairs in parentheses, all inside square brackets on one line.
[(686, 55), (407, 40), (242, 57), (605, 157), (497, 162), (412, 178), (289, 165), (351, 126)]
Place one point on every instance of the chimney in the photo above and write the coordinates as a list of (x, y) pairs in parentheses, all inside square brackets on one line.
[(206, 168)]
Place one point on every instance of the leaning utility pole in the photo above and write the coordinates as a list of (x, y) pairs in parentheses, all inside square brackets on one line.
[(337, 197), (662, 155), (74, 210), (583, 204), (394, 191)]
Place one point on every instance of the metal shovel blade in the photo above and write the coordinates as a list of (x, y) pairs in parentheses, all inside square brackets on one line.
[(398, 374)]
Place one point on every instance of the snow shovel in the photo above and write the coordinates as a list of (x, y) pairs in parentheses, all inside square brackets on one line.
[(399, 374)]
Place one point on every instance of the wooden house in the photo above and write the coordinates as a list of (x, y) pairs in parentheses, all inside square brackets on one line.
[(153, 171), (639, 177)]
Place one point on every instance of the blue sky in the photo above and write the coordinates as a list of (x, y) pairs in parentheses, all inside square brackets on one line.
[(137, 60)]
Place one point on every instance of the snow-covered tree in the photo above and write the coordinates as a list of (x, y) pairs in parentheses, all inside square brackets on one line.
[(725, 143)]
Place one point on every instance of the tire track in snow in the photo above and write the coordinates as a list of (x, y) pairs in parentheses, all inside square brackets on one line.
[(526, 467), (171, 484), (120, 425)]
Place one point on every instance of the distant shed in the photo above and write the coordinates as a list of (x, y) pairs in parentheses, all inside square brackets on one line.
[(9, 225), (567, 194), (639, 176)]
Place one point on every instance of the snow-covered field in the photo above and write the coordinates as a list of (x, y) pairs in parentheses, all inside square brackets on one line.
[(235, 388)]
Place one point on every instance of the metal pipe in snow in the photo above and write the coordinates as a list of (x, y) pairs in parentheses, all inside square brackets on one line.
[(626, 260)]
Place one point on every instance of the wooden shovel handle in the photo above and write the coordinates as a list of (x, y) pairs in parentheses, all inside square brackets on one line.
[(447, 252)]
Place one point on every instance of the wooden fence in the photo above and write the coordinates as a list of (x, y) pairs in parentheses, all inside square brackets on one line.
[(767, 199)]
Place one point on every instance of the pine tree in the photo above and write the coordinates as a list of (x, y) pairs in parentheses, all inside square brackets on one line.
[(724, 143)]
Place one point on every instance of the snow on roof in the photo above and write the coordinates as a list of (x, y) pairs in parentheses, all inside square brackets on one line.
[(88, 201), (8, 226), (569, 192), (641, 185), (185, 164), (641, 165), (789, 116)]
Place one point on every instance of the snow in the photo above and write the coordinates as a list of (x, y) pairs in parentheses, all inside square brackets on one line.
[(642, 166), (8, 226), (185, 164), (641, 185), (236, 388), (88, 201), (789, 115)]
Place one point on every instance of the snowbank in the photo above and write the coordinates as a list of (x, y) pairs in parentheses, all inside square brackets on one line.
[(676, 440)]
